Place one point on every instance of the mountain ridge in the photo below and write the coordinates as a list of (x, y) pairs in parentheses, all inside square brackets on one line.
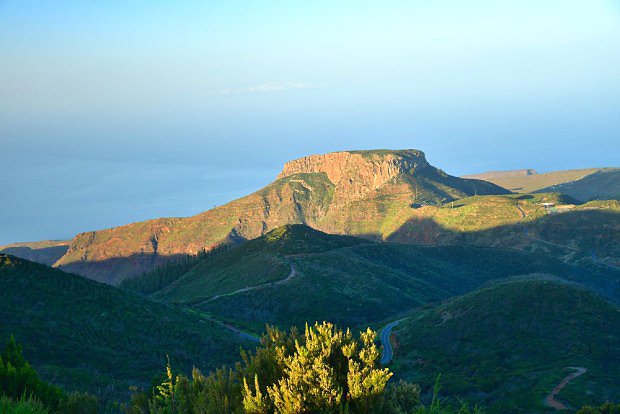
[(368, 192), (583, 184)]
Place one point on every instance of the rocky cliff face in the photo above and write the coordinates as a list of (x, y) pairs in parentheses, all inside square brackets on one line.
[(364, 193), (356, 173)]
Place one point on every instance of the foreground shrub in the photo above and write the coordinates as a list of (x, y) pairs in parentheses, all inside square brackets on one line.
[(607, 408), (18, 378), (324, 370), (79, 403), (23, 391), (23, 405)]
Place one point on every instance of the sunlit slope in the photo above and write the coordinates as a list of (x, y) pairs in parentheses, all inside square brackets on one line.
[(573, 232), (366, 193), (507, 345), (88, 335)]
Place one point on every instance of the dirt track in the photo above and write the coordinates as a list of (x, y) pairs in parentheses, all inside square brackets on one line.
[(291, 275), (550, 399)]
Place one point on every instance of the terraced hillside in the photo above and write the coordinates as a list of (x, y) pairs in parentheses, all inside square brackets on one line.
[(583, 185), (367, 193), (295, 274), (90, 336), (509, 344)]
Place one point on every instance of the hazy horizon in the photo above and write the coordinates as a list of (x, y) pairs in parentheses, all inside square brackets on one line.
[(118, 112)]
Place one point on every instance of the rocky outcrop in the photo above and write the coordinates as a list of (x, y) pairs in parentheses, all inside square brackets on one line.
[(356, 173)]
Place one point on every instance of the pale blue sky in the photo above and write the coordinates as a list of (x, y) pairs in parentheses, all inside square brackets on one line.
[(116, 111)]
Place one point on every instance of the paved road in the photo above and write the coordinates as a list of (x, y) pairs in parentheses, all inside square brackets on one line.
[(239, 332), (385, 341), (244, 335), (550, 399)]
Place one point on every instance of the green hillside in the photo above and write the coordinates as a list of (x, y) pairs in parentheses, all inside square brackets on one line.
[(295, 274), (88, 336), (508, 344), (572, 232)]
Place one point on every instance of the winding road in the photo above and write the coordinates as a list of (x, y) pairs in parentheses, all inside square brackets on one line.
[(291, 275), (385, 341), (550, 399)]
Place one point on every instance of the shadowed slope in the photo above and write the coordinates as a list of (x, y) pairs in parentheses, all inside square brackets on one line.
[(92, 336), (507, 345), (294, 274)]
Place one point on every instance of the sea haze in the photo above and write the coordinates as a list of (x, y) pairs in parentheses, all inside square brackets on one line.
[(54, 198)]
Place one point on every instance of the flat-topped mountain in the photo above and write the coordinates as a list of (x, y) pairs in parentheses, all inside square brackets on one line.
[(492, 175), (356, 173), (365, 193)]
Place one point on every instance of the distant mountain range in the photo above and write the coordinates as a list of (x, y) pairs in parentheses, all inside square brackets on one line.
[(583, 185), (46, 252)]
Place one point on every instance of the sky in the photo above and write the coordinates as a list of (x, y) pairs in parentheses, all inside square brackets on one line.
[(118, 111)]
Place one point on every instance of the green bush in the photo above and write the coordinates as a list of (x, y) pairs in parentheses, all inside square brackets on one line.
[(325, 370), (607, 408), (19, 379), (23, 392), (79, 403), (23, 405)]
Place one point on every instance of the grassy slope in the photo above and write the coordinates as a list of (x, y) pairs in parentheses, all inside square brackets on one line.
[(507, 345), (351, 281), (86, 335)]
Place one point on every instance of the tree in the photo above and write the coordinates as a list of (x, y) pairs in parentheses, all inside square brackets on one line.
[(18, 378), (325, 370), (607, 408), (328, 370)]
